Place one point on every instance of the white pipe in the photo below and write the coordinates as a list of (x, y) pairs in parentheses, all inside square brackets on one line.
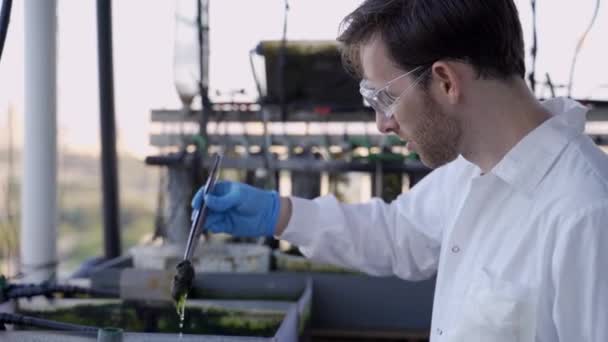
[(39, 186)]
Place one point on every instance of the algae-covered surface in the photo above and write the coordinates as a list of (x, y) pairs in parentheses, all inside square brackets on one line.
[(143, 317), (292, 263), (301, 48), (311, 72)]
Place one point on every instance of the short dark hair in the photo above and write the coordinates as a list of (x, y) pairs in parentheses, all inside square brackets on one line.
[(486, 34)]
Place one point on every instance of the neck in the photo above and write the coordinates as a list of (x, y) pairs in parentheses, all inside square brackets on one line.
[(501, 116)]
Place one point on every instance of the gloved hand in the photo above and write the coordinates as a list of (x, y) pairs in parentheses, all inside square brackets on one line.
[(239, 209)]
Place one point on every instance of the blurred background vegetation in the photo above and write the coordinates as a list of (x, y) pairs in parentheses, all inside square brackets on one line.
[(79, 201)]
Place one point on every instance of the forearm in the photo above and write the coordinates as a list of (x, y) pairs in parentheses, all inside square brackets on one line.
[(362, 237), (328, 231)]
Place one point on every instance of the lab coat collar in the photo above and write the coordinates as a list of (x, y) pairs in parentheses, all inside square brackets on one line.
[(527, 163)]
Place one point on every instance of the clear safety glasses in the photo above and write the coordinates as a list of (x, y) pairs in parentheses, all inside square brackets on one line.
[(380, 99)]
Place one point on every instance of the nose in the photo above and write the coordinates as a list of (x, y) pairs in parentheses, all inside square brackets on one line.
[(386, 125)]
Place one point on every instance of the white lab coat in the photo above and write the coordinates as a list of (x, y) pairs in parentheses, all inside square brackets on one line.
[(521, 253)]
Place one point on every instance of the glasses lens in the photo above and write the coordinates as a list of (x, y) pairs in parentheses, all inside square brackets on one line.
[(380, 101), (385, 100)]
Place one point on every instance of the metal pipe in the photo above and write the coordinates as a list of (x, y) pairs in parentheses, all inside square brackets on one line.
[(39, 188), (111, 213), (201, 214)]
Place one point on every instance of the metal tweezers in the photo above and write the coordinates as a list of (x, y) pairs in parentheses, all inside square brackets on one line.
[(201, 215)]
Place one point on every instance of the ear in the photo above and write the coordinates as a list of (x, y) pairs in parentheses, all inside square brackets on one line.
[(448, 81)]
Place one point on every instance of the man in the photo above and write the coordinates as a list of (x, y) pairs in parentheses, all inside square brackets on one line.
[(514, 217)]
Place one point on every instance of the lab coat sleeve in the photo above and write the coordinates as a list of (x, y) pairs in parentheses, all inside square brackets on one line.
[(401, 238), (580, 283)]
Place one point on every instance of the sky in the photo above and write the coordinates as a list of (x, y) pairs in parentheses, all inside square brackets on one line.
[(143, 57)]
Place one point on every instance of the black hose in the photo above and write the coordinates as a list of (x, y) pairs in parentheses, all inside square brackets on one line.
[(550, 85), (7, 318), (207, 109), (28, 291), (5, 18)]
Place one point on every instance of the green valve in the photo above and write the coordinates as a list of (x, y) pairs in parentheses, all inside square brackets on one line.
[(359, 141), (394, 140), (199, 141), (413, 156), (388, 157), (3, 288)]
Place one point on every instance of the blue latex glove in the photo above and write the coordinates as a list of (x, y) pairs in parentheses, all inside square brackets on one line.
[(239, 209)]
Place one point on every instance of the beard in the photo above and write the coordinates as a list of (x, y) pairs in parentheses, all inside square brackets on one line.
[(437, 136)]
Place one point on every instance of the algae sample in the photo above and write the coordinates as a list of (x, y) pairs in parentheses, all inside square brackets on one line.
[(292, 263), (180, 306), (161, 318)]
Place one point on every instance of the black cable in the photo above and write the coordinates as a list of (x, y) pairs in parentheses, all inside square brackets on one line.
[(272, 184), (256, 80), (159, 221), (579, 46), (203, 32), (203, 28), (550, 85), (532, 75), (8, 318), (267, 139), (5, 18), (282, 64)]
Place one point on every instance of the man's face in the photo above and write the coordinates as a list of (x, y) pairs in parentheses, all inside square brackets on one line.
[(418, 118)]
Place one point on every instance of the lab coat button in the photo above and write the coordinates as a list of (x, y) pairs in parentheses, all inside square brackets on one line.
[(455, 249), (439, 331)]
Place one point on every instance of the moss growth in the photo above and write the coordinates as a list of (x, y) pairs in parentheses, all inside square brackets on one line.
[(107, 315), (304, 319), (293, 263), (301, 48), (305, 63), (136, 317), (262, 325)]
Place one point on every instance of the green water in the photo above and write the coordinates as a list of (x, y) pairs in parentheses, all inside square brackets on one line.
[(180, 306)]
